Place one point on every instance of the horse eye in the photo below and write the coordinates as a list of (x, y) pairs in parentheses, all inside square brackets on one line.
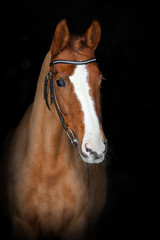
[(61, 82)]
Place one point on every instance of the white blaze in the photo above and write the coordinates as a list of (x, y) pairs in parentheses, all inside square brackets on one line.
[(92, 136)]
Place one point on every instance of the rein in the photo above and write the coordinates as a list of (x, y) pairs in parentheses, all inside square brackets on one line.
[(49, 78)]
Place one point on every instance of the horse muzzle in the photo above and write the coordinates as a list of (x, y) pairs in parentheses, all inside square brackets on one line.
[(91, 156)]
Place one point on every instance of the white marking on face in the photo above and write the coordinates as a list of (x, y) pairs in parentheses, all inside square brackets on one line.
[(92, 137)]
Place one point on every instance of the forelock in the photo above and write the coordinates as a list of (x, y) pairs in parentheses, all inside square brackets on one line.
[(77, 42)]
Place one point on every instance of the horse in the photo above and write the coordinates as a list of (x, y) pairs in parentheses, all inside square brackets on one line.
[(54, 178)]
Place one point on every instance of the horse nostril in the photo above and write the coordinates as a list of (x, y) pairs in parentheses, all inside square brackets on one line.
[(93, 154), (88, 149)]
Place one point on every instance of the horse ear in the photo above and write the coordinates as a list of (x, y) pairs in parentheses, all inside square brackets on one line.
[(60, 38), (93, 35)]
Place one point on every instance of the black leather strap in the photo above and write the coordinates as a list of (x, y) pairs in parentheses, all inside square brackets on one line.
[(52, 96), (54, 100), (72, 62)]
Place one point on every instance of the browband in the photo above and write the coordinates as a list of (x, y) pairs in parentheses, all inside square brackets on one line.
[(72, 62)]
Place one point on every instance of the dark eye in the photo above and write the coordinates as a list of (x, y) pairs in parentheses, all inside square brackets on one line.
[(61, 82)]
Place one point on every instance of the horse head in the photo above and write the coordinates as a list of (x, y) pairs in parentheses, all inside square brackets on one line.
[(75, 82)]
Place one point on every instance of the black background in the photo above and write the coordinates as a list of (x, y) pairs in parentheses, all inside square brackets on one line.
[(128, 57)]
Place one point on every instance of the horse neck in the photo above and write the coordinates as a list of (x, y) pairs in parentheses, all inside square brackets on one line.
[(47, 138)]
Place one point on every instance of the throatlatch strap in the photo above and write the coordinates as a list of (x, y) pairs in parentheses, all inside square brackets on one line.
[(45, 91)]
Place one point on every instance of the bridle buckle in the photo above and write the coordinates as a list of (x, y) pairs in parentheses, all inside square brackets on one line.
[(71, 136)]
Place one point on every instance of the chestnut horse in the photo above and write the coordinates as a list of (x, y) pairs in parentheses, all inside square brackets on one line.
[(54, 181)]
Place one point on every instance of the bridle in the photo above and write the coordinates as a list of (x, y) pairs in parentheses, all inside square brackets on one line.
[(49, 78)]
